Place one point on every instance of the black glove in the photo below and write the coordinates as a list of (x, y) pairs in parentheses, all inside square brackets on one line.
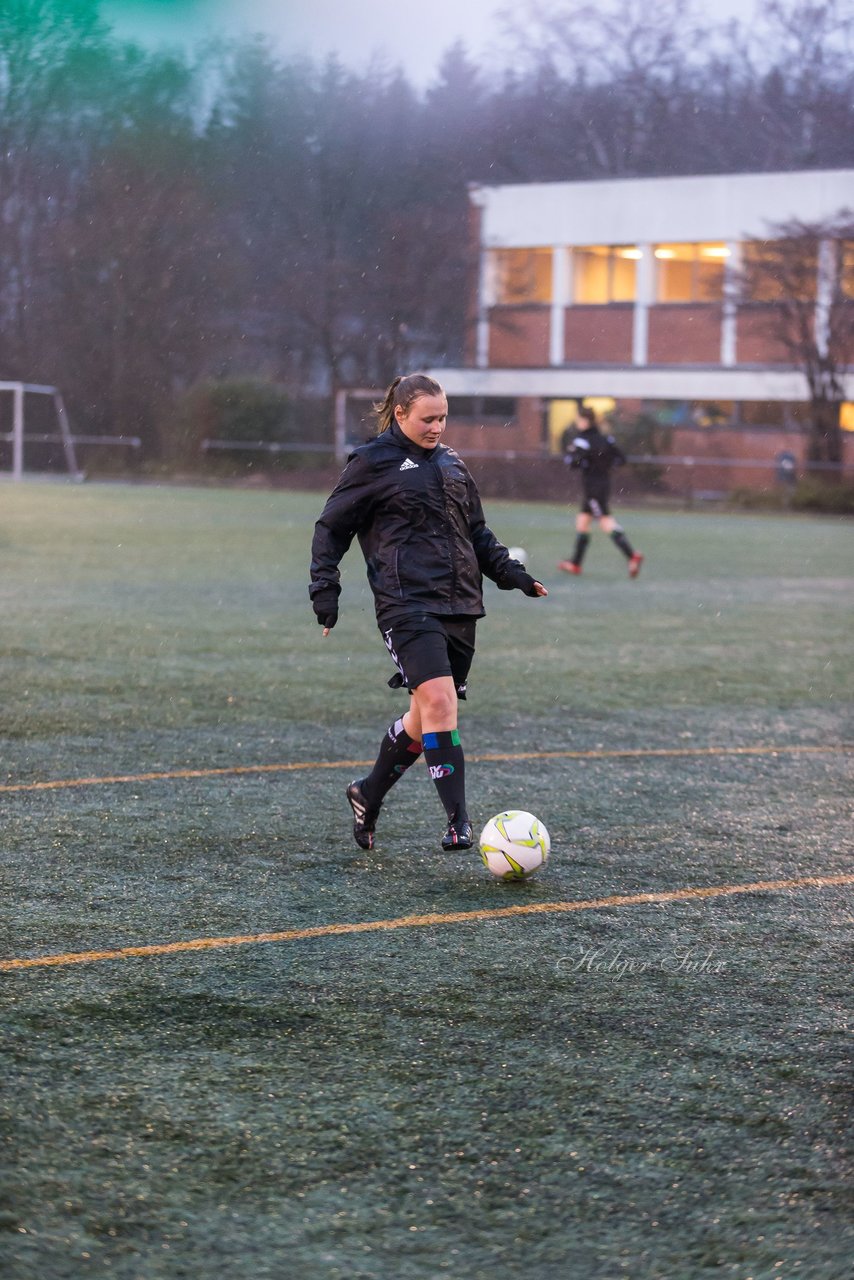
[(325, 606)]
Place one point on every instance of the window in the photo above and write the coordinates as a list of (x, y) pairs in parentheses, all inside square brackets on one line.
[(773, 413), (690, 413), (846, 267), (780, 269), (482, 407), (712, 413), (604, 273), (690, 272), (522, 275)]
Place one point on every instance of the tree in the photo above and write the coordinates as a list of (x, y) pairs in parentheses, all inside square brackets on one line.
[(629, 73), (782, 87), (137, 261), (354, 229), (49, 54), (298, 192), (803, 273)]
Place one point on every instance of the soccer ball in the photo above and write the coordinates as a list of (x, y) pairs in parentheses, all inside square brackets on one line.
[(519, 553), (514, 845)]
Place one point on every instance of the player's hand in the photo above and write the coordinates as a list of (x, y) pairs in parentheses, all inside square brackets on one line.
[(325, 606), (539, 589)]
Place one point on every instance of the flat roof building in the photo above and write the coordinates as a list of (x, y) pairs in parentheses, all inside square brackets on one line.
[(628, 291)]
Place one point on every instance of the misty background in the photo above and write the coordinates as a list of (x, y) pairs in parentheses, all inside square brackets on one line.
[(395, 34), (179, 218)]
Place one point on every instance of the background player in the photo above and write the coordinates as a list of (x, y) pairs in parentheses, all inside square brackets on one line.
[(594, 455)]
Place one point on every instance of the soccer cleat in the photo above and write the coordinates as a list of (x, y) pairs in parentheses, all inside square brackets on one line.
[(635, 564), (458, 836), (569, 566), (364, 815)]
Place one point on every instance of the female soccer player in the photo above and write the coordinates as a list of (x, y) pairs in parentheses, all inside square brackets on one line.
[(416, 512), (594, 454)]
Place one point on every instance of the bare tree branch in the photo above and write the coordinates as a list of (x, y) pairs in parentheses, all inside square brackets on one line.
[(802, 275)]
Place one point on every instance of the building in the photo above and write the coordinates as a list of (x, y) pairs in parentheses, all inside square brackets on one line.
[(622, 293)]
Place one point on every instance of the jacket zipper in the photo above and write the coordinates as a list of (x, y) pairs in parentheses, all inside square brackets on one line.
[(449, 525)]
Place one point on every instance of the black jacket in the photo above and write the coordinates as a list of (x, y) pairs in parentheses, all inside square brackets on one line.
[(419, 521)]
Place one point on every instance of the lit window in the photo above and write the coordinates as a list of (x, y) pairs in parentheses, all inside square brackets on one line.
[(778, 269), (522, 275), (591, 274), (605, 273), (712, 413), (846, 268), (690, 272)]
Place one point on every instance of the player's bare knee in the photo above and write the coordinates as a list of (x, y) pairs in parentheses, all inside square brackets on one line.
[(437, 702)]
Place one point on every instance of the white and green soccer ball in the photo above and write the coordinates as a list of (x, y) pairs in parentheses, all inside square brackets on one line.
[(518, 553), (514, 845)]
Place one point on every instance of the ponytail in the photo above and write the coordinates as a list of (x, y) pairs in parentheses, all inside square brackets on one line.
[(384, 409), (405, 389)]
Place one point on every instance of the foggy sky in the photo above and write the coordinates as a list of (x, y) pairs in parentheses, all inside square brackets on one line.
[(412, 34)]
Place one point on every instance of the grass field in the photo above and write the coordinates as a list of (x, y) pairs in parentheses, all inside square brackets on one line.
[(635, 1065)]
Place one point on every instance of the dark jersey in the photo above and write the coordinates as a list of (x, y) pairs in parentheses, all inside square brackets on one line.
[(594, 455)]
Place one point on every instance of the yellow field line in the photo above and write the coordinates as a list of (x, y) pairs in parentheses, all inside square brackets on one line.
[(639, 753), (434, 918)]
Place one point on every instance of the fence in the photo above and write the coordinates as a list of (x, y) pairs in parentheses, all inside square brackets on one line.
[(531, 475), (685, 477)]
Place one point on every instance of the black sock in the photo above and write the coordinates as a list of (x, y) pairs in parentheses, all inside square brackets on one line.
[(397, 752), (447, 765), (581, 541), (623, 543)]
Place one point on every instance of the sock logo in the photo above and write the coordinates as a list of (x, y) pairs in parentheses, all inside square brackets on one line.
[(441, 771)]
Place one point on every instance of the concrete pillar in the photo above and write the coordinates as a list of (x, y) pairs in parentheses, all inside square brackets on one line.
[(644, 297)]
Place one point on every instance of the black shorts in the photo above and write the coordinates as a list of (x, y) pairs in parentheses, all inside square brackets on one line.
[(596, 499), (424, 646)]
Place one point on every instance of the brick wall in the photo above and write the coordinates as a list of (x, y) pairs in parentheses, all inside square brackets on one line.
[(519, 337), (601, 335), (755, 341), (523, 435), (685, 334)]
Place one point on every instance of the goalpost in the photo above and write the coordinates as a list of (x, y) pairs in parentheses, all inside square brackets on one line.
[(18, 437), (15, 437), (352, 418)]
